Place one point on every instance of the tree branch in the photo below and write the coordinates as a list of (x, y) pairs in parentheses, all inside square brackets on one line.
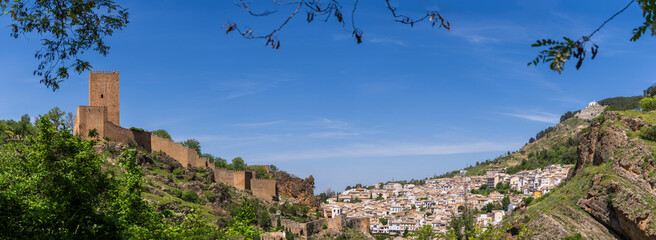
[(559, 52), (331, 8)]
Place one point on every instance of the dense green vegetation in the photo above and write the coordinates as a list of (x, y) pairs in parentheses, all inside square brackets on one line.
[(484, 189), (11, 130), (568, 115), (136, 129), (328, 193), (651, 91), (162, 133), (479, 168), (296, 212), (261, 171), (464, 226), (54, 176), (648, 133), (560, 153), (193, 144), (53, 186), (621, 103), (574, 237), (555, 147), (647, 104)]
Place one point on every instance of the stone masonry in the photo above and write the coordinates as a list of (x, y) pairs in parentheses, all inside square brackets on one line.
[(103, 115), (339, 223), (104, 91)]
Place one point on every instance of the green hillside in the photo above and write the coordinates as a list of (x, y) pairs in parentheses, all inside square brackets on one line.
[(554, 145), (610, 195), (54, 185)]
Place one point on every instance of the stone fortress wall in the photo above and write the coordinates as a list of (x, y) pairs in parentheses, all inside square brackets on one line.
[(264, 188), (339, 223), (103, 115), (184, 155)]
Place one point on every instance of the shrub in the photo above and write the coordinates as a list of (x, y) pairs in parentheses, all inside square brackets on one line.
[(647, 104), (648, 133), (178, 192), (193, 144), (137, 129), (209, 196), (177, 171), (568, 115), (574, 237), (260, 172), (190, 196), (324, 226), (162, 133)]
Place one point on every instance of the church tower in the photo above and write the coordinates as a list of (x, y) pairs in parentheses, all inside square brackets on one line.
[(104, 91)]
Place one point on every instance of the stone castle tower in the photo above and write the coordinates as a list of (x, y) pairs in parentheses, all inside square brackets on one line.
[(103, 116), (104, 91), (104, 107)]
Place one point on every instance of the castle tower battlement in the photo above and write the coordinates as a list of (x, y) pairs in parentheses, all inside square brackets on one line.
[(104, 91), (103, 116)]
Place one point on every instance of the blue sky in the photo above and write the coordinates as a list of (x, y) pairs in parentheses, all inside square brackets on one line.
[(408, 103)]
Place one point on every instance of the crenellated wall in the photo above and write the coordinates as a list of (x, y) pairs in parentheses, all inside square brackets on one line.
[(124, 135), (184, 155), (104, 91), (224, 175), (103, 114)]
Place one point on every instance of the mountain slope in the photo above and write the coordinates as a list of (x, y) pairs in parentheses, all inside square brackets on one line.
[(610, 193), (554, 145), (169, 187)]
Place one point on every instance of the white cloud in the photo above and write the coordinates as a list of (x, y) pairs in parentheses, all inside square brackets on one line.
[(570, 100), (536, 116), (386, 41), (250, 83), (335, 134), (386, 150), (331, 123), (490, 32), (257, 124)]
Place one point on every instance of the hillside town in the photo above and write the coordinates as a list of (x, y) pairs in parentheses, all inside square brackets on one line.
[(395, 209)]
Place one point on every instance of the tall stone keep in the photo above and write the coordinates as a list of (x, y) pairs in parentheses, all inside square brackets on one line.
[(104, 91)]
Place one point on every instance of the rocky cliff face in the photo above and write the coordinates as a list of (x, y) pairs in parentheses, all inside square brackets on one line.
[(622, 199), (301, 190), (611, 193)]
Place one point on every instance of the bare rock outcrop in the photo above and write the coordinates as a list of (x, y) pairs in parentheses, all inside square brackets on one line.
[(622, 199), (301, 190), (590, 112)]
